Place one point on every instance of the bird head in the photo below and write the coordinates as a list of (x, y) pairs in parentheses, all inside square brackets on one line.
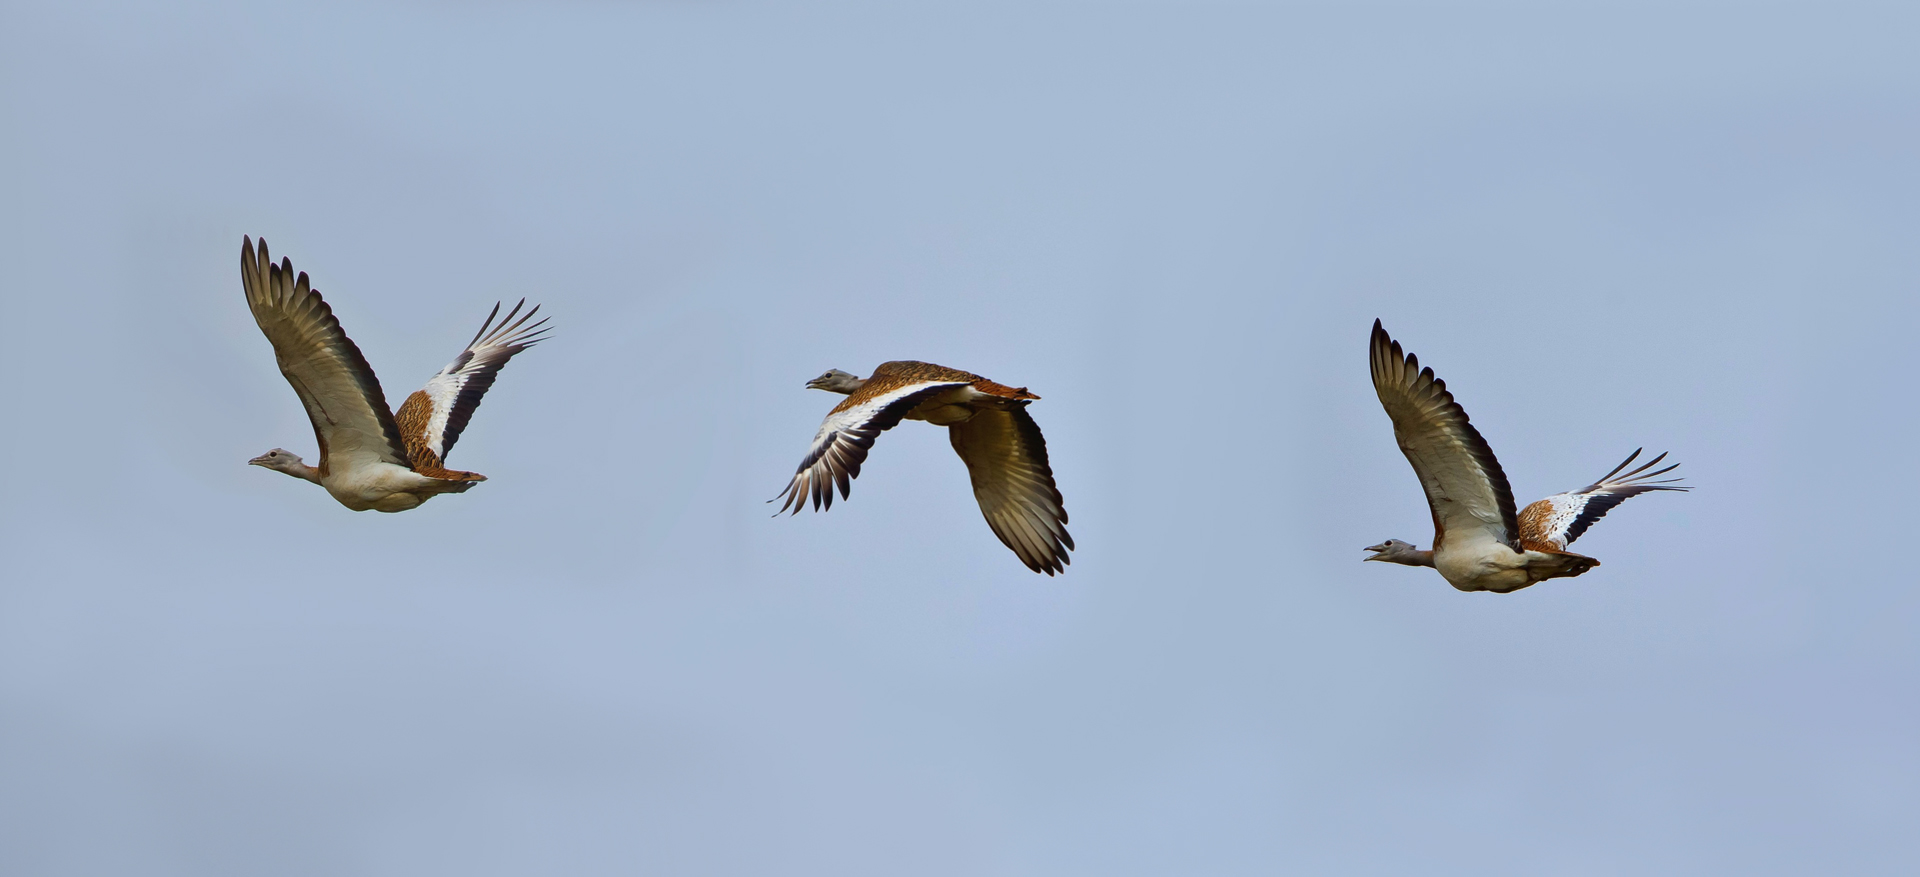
[(836, 381), (1392, 551), (278, 459)]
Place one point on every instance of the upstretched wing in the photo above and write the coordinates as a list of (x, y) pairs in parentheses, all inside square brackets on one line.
[(1556, 521), (1007, 458), (1466, 490), (432, 419), (843, 440), (350, 417)]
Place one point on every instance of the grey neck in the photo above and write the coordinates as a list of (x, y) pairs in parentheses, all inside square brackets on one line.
[(303, 471), (842, 383), (1413, 558)]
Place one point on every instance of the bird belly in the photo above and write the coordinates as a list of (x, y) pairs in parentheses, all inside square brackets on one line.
[(942, 415), (382, 487), (400, 502), (1483, 567), (946, 408)]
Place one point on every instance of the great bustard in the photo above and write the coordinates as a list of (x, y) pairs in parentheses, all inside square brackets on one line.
[(990, 429), (1479, 542), (371, 457)]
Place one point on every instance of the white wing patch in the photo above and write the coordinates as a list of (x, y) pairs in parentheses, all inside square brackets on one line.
[(456, 391), (1560, 519), (1548, 521), (842, 443)]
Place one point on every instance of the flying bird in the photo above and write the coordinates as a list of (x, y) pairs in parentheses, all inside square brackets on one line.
[(1479, 542), (371, 457), (990, 429)]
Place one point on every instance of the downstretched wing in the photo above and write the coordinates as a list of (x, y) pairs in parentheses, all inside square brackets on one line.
[(1556, 521), (350, 417), (432, 419), (1007, 459), (843, 440), (1466, 490)]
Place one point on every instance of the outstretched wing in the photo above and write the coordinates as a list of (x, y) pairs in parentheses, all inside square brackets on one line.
[(1556, 521), (843, 440), (432, 419), (1466, 490), (1007, 458), (350, 417)]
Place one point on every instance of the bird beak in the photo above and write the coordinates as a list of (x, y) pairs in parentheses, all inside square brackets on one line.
[(258, 461), (1379, 551)]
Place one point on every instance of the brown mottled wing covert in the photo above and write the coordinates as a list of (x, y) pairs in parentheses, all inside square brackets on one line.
[(415, 418), (1007, 459), (1466, 489), (341, 394), (412, 418), (889, 377)]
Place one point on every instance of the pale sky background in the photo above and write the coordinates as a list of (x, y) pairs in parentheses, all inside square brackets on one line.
[(1695, 229)]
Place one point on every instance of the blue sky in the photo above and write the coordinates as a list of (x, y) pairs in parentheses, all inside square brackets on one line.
[(1688, 227)]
